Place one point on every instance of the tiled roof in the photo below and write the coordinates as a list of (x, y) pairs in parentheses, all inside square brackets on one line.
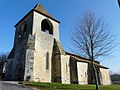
[(83, 59), (38, 8), (41, 9)]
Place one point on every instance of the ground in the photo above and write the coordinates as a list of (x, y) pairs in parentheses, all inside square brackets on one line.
[(5, 85)]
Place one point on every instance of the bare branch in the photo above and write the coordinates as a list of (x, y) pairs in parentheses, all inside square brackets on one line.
[(92, 37)]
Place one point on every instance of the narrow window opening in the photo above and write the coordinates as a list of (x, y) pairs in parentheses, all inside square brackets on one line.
[(47, 61), (85, 74)]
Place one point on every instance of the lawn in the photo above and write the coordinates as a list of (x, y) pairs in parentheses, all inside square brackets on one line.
[(59, 86)]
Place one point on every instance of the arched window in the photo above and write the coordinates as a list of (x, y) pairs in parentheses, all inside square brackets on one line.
[(46, 26), (47, 60)]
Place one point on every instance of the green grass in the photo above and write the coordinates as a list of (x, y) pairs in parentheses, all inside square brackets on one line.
[(59, 86)]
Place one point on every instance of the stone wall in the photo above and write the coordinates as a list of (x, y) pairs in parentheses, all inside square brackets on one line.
[(56, 61), (29, 62), (43, 45), (73, 71), (82, 72), (2, 69), (20, 47), (105, 76), (9, 67), (37, 24), (56, 68), (91, 77), (65, 69)]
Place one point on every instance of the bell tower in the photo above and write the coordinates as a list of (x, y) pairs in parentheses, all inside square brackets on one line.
[(44, 22), (33, 46), (44, 30)]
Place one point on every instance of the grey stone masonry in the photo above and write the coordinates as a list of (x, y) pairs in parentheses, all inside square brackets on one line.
[(29, 59)]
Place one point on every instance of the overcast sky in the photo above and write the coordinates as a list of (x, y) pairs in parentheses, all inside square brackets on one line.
[(69, 13)]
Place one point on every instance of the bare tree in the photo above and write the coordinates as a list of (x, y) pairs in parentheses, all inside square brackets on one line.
[(91, 39)]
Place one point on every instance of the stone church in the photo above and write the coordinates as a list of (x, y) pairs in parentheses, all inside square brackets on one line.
[(37, 54)]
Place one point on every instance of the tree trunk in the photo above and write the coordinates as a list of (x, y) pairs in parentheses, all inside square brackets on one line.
[(96, 76)]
